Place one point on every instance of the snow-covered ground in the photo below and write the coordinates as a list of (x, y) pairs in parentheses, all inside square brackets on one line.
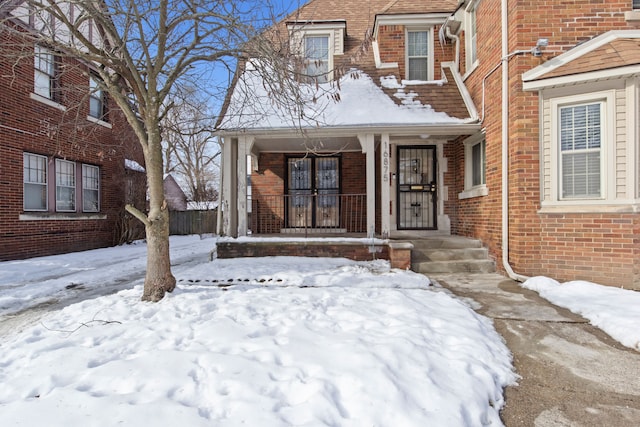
[(276, 341), (259, 342)]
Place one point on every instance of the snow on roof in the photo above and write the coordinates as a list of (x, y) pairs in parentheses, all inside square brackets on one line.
[(133, 165), (355, 101)]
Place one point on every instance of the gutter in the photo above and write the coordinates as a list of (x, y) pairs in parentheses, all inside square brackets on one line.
[(505, 147)]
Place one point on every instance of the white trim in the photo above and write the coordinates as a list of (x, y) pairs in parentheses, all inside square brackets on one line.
[(478, 191), (376, 57), (577, 52), (426, 19), (590, 76), (50, 216), (607, 148), (622, 207), (470, 11), (47, 101), (471, 190), (430, 50), (462, 88), (99, 122)]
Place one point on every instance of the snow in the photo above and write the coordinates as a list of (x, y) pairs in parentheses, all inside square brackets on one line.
[(267, 341), (360, 103), (133, 165), (260, 341), (614, 310)]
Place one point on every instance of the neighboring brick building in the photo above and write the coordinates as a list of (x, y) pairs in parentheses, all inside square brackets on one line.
[(520, 129), (63, 179)]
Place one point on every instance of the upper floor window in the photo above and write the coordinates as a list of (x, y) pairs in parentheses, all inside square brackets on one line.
[(580, 151), (418, 55), (97, 100), (316, 58), (45, 73), (35, 182), (636, 4), (471, 37)]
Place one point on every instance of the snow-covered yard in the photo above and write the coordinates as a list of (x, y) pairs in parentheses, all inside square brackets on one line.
[(278, 341)]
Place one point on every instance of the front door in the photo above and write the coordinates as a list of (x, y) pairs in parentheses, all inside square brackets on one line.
[(313, 186), (417, 196)]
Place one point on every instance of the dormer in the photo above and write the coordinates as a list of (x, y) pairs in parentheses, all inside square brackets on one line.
[(406, 42), (316, 43)]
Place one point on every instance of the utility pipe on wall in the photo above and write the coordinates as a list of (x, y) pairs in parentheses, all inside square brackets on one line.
[(505, 146)]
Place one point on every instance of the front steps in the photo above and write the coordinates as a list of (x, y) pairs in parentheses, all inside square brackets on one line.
[(450, 254)]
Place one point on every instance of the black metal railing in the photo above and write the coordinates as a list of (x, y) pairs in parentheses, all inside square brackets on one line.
[(309, 213)]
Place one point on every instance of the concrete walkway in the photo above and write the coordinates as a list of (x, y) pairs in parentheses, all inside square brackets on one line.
[(572, 374)]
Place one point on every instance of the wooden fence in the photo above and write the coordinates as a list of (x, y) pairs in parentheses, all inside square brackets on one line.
[(192, 222)]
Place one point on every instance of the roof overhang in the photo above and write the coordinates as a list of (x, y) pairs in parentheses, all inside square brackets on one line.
[(410, 20), (538, 77)]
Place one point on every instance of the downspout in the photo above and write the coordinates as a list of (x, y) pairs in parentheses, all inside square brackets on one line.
[(219, 213), (457, 41), (505, 146)]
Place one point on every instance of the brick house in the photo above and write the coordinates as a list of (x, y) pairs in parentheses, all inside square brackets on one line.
[(68, 159), (477, 118)]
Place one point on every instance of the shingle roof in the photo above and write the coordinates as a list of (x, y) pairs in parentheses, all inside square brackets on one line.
[(617, 53), (396, 7)]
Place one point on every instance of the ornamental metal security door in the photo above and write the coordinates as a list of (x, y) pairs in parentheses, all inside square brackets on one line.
[(417, 196), (313, 187)]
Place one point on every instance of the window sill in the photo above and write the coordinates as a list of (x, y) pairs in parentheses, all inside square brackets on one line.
[(99, 122), (47, 101), (479, 191), (632, 16), (589, 208), (49, 216)]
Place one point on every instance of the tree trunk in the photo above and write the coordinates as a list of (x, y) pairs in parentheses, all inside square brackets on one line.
[(159, 279)]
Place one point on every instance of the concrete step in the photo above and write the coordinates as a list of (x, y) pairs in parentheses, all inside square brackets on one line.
[(460, 266), (449, 242), (422, 255)]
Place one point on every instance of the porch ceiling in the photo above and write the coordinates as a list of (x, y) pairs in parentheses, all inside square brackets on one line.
[(305, 144)]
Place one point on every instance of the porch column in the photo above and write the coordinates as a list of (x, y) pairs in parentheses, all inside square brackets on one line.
[(369, 148), (385, 198), (245, 143), (229, 185)]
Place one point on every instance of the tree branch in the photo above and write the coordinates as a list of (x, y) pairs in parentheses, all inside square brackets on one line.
[(138, 214)]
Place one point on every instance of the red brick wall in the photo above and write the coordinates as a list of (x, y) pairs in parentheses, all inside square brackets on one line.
[(598, 247), (31, 126), (391, 44)]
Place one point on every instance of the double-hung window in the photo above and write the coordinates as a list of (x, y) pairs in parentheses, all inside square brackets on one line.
[(471, 36), (475, 167), (97, 104), (65, 186), (478, 163), (316, 58), (418, 55), (35, 182), (90, 188), (45, 73), (580, 151), (636, 4)]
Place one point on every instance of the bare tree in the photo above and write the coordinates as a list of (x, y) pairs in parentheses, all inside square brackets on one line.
[(142, 53), (190, 146)]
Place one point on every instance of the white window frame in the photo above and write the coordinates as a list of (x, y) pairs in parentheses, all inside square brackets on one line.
[(607, 146), (90, 184), (471, 190), (62, 182), (97, 96), (320, 78), (471, 37), (35, 177), (429, 57), (44, 70)]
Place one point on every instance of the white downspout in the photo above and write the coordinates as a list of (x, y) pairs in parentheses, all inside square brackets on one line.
[(219, 212), (505, 146)]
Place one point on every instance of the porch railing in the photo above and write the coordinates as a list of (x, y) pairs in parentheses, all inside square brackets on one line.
[(309, 213)]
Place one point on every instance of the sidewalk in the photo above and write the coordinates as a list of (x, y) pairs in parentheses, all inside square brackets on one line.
[(573, 374)]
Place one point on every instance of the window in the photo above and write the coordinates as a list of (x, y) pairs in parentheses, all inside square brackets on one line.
[(478, 163), (417, 55), (65, 186), (580, 151), (35, 182), (475, 166), (97, 104), (44, 73), (636, 4), (90, 188), (471, 37), (316, 58)]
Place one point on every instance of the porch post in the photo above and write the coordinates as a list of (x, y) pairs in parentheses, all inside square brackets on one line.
[(369, 148), (385, 198), (244, 149), (229, 184)]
